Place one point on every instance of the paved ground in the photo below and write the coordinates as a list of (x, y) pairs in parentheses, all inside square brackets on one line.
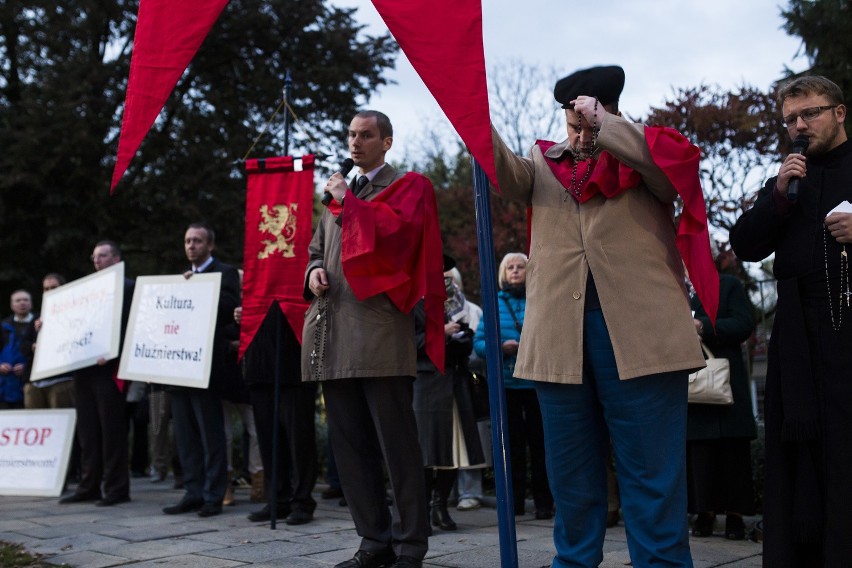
[(138, 534)]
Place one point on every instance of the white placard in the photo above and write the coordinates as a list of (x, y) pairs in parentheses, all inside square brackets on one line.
[(80, 323), (35, 446), (169, 336)]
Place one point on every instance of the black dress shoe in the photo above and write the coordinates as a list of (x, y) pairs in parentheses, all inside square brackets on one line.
[(703, 525), (407, 562), (298, 517), (734, 527), (210, 510), (78, 498), (265, 514), (184, 506), (332, 493), (364, 559), (110, 501)]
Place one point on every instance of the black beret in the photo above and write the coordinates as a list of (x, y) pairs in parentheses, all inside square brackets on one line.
[(605, 83)]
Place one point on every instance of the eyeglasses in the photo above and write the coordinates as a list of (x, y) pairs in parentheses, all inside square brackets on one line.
[(807, 115)]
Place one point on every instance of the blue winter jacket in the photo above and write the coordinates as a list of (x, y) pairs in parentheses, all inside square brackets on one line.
[(507, 331)]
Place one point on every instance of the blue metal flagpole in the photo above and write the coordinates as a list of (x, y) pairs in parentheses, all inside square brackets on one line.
[(494, 362)]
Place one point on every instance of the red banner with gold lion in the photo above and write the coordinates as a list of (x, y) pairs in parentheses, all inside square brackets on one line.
[(279, 202)]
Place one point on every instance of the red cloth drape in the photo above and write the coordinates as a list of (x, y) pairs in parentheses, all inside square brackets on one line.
[(279, 208), (167, 36), (392, 245), (678, 159), (443, 41)]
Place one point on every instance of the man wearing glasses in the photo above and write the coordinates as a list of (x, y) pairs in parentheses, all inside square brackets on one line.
[(809, 376)]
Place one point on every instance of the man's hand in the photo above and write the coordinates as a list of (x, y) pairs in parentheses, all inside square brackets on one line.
[(839, 226), (188, 274), (793, 167), (451, 328), (590, 110), (336, 186), (19, 369), (5, 368), (318, 280)]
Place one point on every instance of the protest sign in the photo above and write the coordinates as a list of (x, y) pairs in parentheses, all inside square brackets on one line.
[(35, 446), (169, 336), (80, 323)]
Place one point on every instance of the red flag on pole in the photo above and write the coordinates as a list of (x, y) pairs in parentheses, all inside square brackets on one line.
[(443, 41), (167, 36), (279, 208)]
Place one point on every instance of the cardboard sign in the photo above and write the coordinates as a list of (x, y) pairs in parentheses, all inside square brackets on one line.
[(169, 336), (35, 446), (80, 323)]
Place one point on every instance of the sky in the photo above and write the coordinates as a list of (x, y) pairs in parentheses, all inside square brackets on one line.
[(662, 45)]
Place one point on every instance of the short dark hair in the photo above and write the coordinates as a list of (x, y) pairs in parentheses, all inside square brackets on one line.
[(382, 121), (211, 235), (811, 85), (56, 276), (20, 290), (113, 247)]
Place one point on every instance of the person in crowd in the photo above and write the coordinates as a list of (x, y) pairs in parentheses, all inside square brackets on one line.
[(54, 392), (101, 412), (469, 480), (297, 450), (802, 216), (718, 446), (526, 434), (375, 252), (608, 338), (16, 350), (163, 450), (199, 423), (137, 422), (446, 422)]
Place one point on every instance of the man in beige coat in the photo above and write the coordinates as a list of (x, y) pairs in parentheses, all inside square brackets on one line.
[(608, 336), (363, 351)]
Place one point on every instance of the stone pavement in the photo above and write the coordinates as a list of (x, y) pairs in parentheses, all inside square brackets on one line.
[(139, 534)]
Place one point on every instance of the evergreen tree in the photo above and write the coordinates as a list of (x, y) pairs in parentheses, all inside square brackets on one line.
[(63, 73)]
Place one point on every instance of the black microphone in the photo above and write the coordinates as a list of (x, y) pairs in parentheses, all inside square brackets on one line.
[(345, 167), (800, 146)]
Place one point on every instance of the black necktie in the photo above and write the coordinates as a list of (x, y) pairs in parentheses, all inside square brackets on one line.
[(360, 183)]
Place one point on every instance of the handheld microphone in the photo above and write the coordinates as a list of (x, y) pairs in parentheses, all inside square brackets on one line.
[(345, 167), (800, 146)]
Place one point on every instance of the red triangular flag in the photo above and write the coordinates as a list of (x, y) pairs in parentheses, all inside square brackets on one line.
[(443, 41), (167, 36)]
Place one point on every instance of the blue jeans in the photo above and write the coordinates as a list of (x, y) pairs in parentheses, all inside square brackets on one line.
[(646, 419)]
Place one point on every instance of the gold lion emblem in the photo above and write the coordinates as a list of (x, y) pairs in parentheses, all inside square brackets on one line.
[(279, 222)]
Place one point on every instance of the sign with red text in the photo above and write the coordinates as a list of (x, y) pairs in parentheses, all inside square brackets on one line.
[(80, 323), (35, 446), (169, 336)]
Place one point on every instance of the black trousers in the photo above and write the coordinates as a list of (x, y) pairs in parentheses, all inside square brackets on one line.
[(297, 447), (526, 432), (371, 423), (102, 432)]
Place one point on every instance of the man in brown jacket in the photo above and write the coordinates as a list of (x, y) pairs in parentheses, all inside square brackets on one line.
[(608, 336), (363, 351)]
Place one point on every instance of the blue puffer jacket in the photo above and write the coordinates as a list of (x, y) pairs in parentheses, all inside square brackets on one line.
[(507, 332)]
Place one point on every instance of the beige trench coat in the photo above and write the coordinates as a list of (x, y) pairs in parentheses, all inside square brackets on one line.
[(369, 338), (628, 242)]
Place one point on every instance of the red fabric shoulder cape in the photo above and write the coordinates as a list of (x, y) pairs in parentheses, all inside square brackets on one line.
[(678, 159), (392, 244)]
